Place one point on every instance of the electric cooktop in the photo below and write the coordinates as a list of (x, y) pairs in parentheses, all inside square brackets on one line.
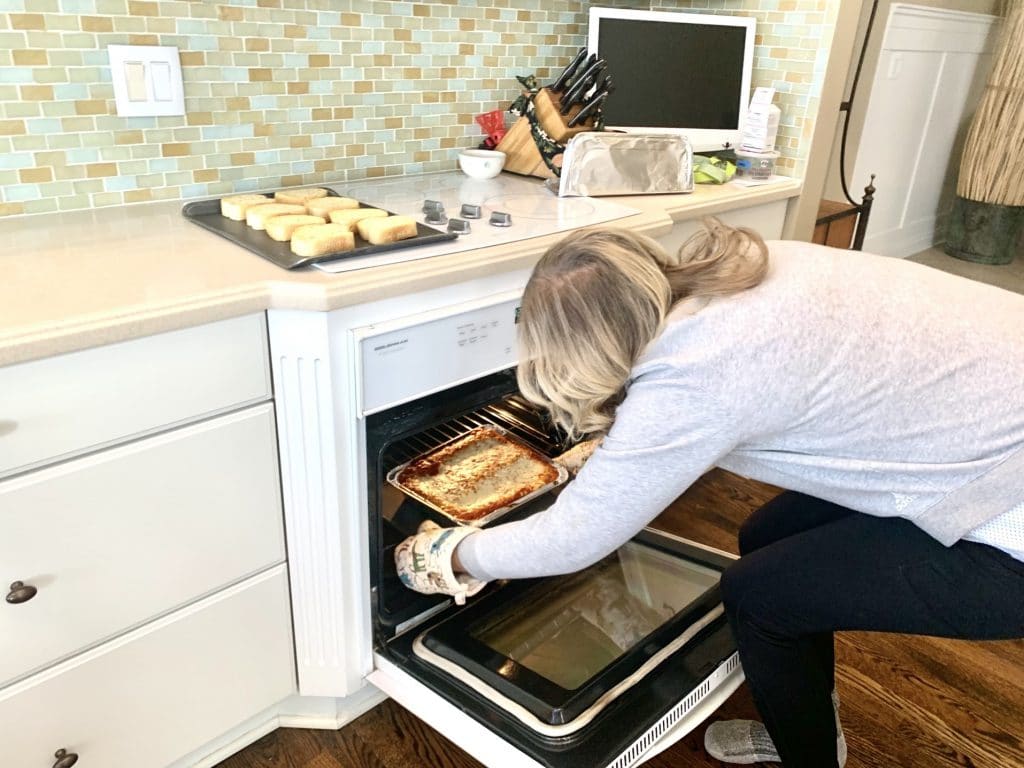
[(481, 212)]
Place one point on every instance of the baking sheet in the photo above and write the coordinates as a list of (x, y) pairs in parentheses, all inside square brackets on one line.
[(206, 213), (563, 475)]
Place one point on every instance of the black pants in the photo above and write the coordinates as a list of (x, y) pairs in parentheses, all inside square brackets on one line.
[(809, 568)]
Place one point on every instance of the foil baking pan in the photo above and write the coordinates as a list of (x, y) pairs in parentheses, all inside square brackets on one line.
[(563, 475), (599, 163)]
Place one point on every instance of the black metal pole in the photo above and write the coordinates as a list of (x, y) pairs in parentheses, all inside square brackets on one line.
[(865, 211), (846, 105)]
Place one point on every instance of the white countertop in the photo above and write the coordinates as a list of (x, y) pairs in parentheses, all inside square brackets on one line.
[(84, 278)]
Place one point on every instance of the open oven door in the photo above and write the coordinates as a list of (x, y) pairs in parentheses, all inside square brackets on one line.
[(606, 667)]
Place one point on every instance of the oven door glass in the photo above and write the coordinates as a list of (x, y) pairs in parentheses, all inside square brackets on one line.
[(556, 653)]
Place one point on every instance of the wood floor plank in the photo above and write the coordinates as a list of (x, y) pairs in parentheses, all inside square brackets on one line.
[(299, 750), (946, 672), (906, 702), (947, 685), (397, 737)]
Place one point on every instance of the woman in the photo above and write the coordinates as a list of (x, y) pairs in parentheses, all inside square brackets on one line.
[(886, 396)]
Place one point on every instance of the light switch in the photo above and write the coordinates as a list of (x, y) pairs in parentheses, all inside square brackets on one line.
[(135, 77), (147, 80), (160, 73)]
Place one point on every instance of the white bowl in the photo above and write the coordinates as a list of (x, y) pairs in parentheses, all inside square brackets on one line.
[(481, 163)]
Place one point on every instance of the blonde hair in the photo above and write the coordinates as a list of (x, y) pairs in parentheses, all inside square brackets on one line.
[(597, 298)]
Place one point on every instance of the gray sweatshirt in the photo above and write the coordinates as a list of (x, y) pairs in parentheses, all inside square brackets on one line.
[(885, 386)]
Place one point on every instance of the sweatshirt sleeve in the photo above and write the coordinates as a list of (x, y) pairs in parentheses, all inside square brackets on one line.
[(667, 433)]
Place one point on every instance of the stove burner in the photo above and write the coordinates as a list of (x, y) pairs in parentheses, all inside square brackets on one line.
[(501, 219), (458, 226), (572, 211), (470, 211)]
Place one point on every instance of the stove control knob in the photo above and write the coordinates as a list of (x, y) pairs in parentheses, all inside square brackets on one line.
[(458, 226), (435, 217), (432, 206), (470, 211), (501, 219)]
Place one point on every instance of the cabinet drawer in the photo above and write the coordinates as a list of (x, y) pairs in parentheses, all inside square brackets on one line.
[(156, 694), (64, 405), (117, 537)]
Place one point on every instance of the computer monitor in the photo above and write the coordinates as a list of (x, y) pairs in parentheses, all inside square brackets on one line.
[(675, 72)]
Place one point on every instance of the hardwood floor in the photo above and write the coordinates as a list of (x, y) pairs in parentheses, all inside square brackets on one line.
[(912, 702)]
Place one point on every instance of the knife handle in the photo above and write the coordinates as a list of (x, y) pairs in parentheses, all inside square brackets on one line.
[(583, 84), (592, 106), (606, 84), (574, 94), (580, 73), (570, 70), (566, 105)]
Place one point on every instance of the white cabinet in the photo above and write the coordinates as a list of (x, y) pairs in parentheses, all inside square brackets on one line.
[(118, 537), (61, 406), (152, 696), (140, 508)]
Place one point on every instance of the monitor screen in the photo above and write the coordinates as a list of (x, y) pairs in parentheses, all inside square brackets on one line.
[(675, 71)]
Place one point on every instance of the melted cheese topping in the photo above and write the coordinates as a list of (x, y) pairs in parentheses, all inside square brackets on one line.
[(477, 474)]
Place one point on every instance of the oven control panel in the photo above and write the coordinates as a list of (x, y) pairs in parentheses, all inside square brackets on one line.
[(412, 357)]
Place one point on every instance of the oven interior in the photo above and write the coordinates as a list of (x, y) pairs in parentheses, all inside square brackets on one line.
[(400, 615), (404, 432)]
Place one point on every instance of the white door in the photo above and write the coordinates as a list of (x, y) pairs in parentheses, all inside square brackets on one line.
[(930, 75)]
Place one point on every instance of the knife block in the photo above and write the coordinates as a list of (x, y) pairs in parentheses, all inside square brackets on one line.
[(521, 152)]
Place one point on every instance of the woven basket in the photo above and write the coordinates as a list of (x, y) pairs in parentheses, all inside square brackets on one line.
[(992, 165)]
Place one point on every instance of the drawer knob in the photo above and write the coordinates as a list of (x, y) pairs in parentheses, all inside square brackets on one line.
[(65, 759), (22, 593)]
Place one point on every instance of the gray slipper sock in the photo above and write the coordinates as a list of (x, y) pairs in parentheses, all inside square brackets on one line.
[(743, 742)]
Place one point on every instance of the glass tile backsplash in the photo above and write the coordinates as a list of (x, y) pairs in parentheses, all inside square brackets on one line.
[(290, 92)]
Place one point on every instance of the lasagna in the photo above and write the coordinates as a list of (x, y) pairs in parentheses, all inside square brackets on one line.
[(479, 473)]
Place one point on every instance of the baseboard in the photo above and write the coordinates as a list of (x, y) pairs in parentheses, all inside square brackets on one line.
[(326, 713), (233, 741), (318, 713), (900, 243)]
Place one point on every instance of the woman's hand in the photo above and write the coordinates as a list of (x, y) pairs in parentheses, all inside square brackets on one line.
[(425, 562), (574, 459)]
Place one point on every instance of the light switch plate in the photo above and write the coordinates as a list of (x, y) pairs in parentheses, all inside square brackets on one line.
[(147, 80)]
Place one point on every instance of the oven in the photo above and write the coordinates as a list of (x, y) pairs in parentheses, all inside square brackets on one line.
[(602, 668), (605, 667)]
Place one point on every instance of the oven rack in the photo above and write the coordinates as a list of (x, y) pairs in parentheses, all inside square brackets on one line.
[(513, 413)]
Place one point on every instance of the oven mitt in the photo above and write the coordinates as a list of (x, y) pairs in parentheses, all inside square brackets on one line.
[(424, 562), (574, 459)]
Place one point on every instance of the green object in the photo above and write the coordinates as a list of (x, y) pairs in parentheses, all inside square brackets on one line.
[(984, 233), (712, 170)]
